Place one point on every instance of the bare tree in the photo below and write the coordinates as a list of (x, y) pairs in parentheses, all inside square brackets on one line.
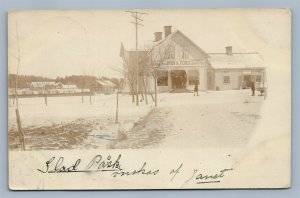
[(19, 123), (129, 73), (149, 65), (117, 105), (156, 57)]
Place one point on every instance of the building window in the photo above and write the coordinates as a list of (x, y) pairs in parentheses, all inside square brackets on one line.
[(185, 52), (162, 78), (226, 79), (193, 76), (172, 52), (258, 78)]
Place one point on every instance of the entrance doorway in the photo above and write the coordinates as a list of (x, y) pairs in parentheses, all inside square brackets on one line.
[(178, 79), (247, 80)]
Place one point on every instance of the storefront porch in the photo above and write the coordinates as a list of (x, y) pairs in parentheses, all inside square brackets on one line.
[(181, 78)]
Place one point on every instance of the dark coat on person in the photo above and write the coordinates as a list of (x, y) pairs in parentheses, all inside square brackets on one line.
[(196, 87), (252, 86)]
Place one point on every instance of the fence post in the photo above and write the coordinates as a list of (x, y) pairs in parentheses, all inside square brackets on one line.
[(46, 101), (90, 96), (117, 109)]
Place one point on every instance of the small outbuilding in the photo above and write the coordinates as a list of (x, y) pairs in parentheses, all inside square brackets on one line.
[(103, 86)]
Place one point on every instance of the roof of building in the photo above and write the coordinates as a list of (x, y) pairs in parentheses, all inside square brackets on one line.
[(42, 84), (158, 43), (106, 83), (216, 60), (170, 36), (69, 87), (236, 61)]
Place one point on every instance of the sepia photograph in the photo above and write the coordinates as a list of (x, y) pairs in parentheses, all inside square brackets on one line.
[(149, 98)]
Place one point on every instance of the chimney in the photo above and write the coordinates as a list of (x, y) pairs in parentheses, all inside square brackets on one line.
[(168, 30), (158, 36), (229, 50)]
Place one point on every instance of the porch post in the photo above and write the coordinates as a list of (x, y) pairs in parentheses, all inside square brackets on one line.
[(202, 79), (187, 77)]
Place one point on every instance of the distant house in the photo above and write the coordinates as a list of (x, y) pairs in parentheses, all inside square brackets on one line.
[(59, 85), (48, 88), (52, 88), (103, 86), (69, 86), (61, 88), (42, 85)]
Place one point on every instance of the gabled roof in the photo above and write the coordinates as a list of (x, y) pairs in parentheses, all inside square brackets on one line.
[(170, 36), (236, 61), (158, 43), (216, 60), (105, 83)]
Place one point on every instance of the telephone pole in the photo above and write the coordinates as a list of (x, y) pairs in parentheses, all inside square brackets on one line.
[(137, 21)]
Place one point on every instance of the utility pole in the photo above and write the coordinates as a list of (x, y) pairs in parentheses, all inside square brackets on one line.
[(137, 22)]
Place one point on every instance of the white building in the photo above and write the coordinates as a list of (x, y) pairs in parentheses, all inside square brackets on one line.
[(179, 64), (235, 70)]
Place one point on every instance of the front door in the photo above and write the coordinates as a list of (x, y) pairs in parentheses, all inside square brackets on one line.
[(247, 80), (178, 78)]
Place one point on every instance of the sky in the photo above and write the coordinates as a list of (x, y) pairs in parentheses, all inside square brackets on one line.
[(60, 43)]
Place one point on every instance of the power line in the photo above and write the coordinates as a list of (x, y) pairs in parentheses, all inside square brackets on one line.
[(137, 22)]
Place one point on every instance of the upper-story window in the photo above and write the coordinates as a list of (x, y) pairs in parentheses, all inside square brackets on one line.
[(185, 52), (172, 52), (226, 79)]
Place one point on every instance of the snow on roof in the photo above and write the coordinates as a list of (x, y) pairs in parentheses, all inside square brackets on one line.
[(177, 32), (236, 61), (145, 52), (41, 84), (69, 87), (106, 83)]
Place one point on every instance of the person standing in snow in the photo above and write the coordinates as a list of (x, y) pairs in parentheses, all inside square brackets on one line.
[(253, 88), (196, 89)]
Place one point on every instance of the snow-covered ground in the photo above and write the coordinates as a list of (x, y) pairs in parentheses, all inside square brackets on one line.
[(62, 113), (181, 120), (33, 111), (212, 119)]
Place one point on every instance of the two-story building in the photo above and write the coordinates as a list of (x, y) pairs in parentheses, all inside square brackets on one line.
[(179, 64)]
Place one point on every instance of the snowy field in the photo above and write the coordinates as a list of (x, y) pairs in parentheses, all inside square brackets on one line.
[(181, 120), (67, 123)]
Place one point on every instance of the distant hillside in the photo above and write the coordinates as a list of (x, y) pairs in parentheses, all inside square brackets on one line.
[(82, 81), (25, 80)]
